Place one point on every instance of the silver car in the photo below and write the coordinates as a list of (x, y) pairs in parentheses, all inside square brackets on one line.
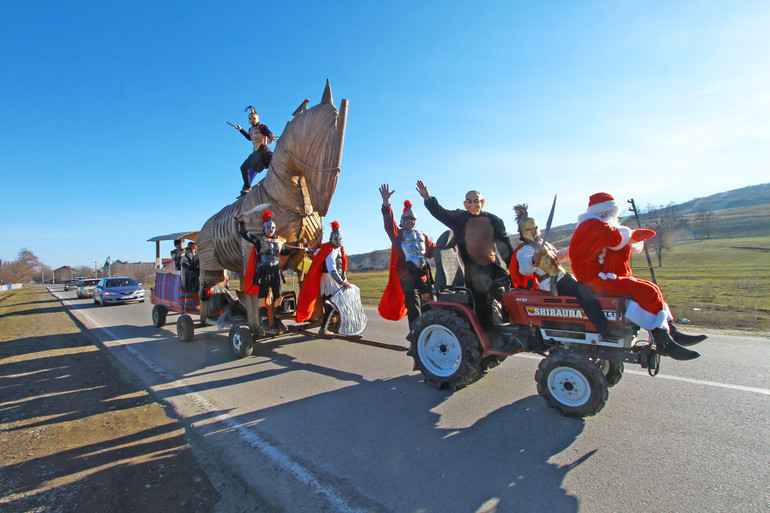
[(86, 288), (120, 289)]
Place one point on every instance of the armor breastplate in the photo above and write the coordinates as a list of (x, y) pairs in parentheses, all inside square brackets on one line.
[(413, 245), (257, 139), (338, 263), (270, 252)]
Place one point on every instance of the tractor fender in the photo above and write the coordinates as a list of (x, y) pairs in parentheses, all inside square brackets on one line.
[(464, 311)]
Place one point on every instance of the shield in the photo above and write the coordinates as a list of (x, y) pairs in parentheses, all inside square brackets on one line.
[(352, 316)]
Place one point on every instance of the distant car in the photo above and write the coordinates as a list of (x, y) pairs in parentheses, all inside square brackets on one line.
[(121, 289), (71, 284), (86, 288)]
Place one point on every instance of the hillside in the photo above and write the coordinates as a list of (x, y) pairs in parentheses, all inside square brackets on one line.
[(741, 212)]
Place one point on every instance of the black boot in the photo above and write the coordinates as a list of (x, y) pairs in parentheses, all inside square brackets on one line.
[(325, 325), (667, 347), (682, 338)]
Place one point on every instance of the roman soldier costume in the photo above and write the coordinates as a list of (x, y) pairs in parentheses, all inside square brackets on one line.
[(409, 274), (325, 276), (263, 271)]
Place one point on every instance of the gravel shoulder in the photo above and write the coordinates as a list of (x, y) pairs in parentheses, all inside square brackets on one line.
[(78, 435)]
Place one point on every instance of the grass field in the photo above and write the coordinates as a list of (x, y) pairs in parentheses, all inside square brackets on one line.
[(718, 283), (721, 283)]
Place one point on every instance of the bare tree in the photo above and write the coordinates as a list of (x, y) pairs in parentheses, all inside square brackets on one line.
[(664, 219), (704, 220), (21, 270)]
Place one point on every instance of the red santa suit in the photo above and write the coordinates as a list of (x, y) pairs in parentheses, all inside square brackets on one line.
[(600, 251)]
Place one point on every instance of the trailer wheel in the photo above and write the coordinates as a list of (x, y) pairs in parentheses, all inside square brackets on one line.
[(241, 341), (571, 384), (185, 328), (613, 371), (159, 316), (445, 350)]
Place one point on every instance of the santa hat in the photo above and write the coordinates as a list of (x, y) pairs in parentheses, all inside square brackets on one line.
[(266, 215), (408, 212), (601, 202)]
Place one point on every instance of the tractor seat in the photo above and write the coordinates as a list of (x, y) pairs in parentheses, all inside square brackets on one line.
[(449, 281)]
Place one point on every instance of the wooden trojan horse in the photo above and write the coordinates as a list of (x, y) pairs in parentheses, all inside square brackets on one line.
[(298, 186)]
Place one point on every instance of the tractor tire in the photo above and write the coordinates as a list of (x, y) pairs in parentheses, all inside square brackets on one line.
[(445, 349), (241, 341), (571, 384), (185, 329), (613, 371), (159, 316)]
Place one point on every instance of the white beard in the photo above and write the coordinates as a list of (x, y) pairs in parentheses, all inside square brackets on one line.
[(610, 217)]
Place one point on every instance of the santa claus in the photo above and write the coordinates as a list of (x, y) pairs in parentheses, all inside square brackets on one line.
[(600, 250)]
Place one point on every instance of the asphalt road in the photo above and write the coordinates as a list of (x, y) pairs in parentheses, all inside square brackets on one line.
[(328, 425)]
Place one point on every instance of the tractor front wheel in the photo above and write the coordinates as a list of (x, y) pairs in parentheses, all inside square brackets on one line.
[(571, 384)]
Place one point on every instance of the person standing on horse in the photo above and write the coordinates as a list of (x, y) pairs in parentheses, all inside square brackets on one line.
[(261, 137)]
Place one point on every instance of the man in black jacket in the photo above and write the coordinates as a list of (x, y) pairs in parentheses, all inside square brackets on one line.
[(482, 243)]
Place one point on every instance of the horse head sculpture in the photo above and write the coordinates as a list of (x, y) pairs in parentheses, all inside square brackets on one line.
[(298, 186)]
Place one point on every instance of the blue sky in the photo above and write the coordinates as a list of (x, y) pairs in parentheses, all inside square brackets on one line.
[(112, 114)]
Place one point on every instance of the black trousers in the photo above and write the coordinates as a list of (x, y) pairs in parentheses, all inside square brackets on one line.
[(412, 286), (569, 286), (255, 162), (479, 279)]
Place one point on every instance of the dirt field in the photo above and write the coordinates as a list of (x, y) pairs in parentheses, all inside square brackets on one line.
[(76, 435)]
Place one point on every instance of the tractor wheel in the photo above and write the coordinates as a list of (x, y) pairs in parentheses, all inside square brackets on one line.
[(185, 328), (159, 316), (445, 349), (613, 371), (571, 384), (241, 341)]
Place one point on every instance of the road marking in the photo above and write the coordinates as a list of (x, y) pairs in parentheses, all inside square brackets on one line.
[(283, 460), (755, 390)]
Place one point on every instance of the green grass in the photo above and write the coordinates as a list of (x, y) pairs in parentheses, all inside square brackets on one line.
[(718, 283), (721, 283)]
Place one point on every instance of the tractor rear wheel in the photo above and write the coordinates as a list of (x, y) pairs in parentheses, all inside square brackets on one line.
[(571, 384), (445, 349)]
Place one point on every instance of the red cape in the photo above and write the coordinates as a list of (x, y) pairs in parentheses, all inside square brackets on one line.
[(311, 287), (248, 278), (392, 305)]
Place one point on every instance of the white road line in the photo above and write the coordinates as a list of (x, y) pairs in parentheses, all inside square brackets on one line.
[(755, 390), (278, 457)]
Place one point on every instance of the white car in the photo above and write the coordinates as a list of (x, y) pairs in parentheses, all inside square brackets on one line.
[(86, 288)]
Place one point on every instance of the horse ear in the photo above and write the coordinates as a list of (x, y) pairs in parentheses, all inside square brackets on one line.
[(327, 96)]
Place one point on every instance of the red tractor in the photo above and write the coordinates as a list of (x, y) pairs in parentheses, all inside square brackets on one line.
[(452, 350)]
